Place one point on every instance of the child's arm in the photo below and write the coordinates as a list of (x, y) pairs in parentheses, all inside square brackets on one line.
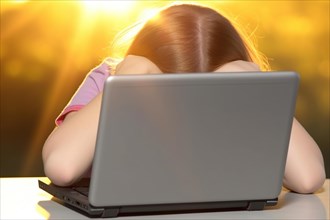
[(69, 149), (68, 152), (304, 171)]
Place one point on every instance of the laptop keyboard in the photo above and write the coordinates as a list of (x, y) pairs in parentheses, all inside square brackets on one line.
[(82, 190), (82, 186)]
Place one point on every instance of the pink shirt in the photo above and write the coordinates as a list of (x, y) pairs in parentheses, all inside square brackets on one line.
[(91, 86)]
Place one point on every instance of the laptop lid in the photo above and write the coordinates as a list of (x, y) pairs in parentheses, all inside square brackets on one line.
[(192, 138)]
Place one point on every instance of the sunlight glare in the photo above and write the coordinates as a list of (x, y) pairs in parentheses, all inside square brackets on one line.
[(92, 7), (149, 14), (18, 1)]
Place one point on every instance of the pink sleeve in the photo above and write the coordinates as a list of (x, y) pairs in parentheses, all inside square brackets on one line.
[(88, 90)]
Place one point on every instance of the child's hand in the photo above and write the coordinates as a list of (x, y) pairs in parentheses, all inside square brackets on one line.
[(136, 65)]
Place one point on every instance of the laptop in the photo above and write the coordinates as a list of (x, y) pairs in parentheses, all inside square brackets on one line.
[(175, 143)]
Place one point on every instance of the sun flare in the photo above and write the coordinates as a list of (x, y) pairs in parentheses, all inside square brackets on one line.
[(93, 7)]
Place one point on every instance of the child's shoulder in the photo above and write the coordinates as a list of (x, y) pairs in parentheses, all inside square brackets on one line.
[(109, 64), (104, 69)]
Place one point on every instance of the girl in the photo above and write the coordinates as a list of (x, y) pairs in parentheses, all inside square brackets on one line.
[(181, 38)]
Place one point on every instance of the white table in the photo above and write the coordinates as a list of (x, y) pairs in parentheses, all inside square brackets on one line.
[(22, 199)]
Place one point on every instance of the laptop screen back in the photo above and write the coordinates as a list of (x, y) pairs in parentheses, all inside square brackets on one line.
[(186, 138)]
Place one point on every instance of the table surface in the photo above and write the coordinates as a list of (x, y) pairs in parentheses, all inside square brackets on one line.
[(21, 198)]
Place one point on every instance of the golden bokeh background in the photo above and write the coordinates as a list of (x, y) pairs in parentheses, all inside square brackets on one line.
[(47, 47)]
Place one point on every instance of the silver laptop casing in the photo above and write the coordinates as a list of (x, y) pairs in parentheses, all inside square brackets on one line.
[(192, 138)]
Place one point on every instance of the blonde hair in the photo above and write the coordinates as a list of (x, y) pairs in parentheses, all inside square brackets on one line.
[(192, 38)]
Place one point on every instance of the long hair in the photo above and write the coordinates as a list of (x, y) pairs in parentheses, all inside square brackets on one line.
[(191, 38)]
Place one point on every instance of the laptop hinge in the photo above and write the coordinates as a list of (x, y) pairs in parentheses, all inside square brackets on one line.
[(110, 212), (256, 205), (260, 205)]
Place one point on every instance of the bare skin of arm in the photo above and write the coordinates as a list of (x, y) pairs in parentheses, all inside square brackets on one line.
[(69, 150), (304, 170)]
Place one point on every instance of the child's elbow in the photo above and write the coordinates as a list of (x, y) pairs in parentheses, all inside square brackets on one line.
[(59, 172), (57, 168), (311, 183)]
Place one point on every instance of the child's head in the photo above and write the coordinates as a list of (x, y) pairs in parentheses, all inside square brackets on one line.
[(191, 38)]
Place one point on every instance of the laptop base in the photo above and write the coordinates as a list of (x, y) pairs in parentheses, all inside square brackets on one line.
[(68, 197)]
